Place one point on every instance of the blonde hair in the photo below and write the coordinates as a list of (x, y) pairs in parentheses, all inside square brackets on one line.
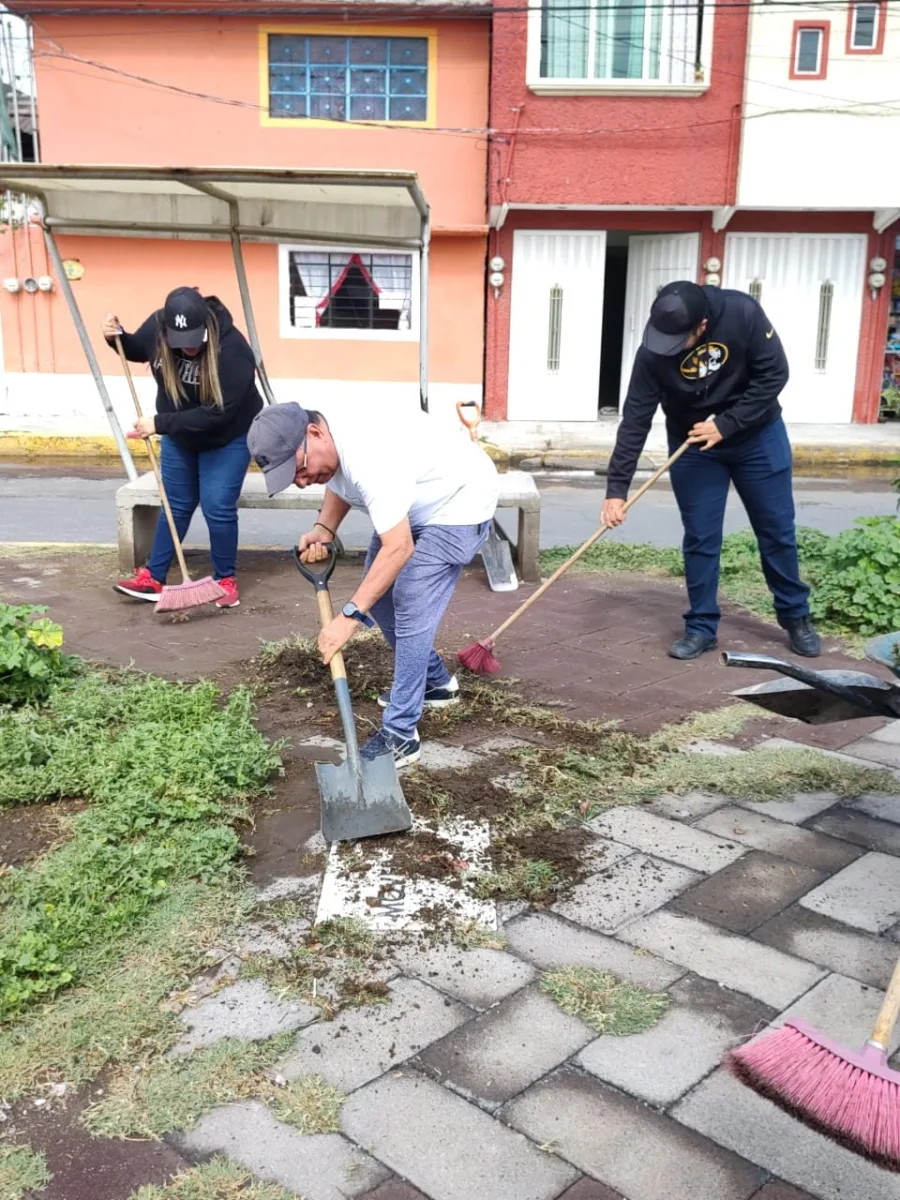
[(210, 384)]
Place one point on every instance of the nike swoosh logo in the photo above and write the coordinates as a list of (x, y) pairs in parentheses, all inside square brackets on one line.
[(771, 333)]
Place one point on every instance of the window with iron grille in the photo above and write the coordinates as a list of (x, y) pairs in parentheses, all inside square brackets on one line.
[(352, 291), (615, 40), (316, 77)]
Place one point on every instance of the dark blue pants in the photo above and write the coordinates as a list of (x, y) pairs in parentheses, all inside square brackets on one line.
[(760, 469), (212, 479)]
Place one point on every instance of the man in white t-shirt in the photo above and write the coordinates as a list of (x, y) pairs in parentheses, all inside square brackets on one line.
[(431, 495)]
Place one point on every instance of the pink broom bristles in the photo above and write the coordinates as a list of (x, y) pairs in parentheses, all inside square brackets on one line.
[(851, 1097), (190, 594), (478, 658)]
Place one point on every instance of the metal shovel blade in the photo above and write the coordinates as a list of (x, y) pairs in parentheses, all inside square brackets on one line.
[(367, 803), (816, 697), (498, 563), (886, 651)]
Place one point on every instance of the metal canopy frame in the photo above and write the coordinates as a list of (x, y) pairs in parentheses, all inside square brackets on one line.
[(381, 209)]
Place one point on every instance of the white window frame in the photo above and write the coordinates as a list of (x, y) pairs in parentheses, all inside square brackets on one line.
[(613, 87), (320, 334), (817, 29), (855, 5)]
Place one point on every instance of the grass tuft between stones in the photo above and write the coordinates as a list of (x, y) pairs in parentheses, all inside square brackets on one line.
[(219, 1179), (606, 1003), (22, 1172)]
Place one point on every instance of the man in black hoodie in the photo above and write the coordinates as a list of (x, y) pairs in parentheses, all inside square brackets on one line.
[(715, 364)]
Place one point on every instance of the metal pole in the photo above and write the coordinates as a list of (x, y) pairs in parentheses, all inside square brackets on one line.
[(10, 51), (423, 312), (247, 303), (35, 142), (124, 451)]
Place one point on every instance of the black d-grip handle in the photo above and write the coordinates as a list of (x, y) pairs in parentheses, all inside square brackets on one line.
[(318, 578)]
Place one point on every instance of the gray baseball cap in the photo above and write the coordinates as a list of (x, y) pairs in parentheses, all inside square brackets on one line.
[(274, 438)]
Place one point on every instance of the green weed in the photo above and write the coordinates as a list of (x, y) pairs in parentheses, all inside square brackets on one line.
[(215, 1180), (607, 1004), (531, 879), (22, 1172)]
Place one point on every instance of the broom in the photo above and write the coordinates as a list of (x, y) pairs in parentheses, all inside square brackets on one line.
[(851, 1097), (192, 592), (479, 657)]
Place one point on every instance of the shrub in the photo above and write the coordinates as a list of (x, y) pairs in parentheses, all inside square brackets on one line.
[(30, 655), (856, 577)]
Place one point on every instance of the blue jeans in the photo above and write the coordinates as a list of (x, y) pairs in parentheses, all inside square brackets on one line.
[(760, 469), (411, 611), (212, 479)]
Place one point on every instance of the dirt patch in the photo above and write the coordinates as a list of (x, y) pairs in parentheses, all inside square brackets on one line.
[(31, 830), (563, 849), (421, 854)]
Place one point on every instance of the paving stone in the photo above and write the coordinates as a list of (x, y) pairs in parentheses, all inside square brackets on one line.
[(477, 977), (717, 749), (499, 1054), (246, 1009), (778, 1190), (787, 744), (881, 753), (734, 1116), (830, 944), (634, 885), (437, 756), (688, 807), (865, 894), (276, 939), (659, 1066), (671, 840), (508, 910), (365, 1042), (549, 942), (763, 832), (796, 809), (735, 962), (395, 1189), (318, 1166), (885, 808), (862, 830), (447, 1148), (639, 1152), (844, 1008), (888, 733), (500, 744), (750, 891), (590, 1189)]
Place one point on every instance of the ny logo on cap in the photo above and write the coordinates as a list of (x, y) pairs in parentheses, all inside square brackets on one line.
[(180, 321)]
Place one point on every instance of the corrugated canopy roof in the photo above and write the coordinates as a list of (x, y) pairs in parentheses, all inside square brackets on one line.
[(384, 208)]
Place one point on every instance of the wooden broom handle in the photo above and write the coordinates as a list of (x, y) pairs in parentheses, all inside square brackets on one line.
[(890, 1010), (155, 464), (582, 549)]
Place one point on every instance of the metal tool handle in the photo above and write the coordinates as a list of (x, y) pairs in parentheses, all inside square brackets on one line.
[(890, 1010), (319, 579), (813, 679)]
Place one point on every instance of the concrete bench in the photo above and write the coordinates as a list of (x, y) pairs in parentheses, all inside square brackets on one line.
[(138, 506)]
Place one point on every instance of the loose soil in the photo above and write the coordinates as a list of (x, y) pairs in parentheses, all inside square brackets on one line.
[(29, 831)]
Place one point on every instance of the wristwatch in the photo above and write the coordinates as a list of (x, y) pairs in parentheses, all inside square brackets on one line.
[(356, 614)]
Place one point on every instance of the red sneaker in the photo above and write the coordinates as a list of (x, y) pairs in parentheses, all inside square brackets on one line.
[(231, 599), (141, 586)]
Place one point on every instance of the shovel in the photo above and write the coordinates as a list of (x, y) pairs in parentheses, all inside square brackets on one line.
[(360, 798), (885, 650), (496, 553), (816, 697)]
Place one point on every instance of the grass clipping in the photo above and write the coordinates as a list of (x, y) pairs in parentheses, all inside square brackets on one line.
[(22, 1172), (604, 1002), (219, 1179)]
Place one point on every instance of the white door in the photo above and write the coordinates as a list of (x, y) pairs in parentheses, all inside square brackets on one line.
[(653, 261), (810, 286), (555, 326)]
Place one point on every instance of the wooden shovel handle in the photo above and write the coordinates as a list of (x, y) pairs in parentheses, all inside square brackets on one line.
[(470, 424), (890, 1010), (326, 615)]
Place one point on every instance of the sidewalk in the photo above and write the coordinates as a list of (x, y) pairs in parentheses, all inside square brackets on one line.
[(470, 1082)]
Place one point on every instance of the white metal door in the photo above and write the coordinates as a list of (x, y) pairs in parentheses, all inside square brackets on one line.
[(653, 261), (555, 326), (810, 286)]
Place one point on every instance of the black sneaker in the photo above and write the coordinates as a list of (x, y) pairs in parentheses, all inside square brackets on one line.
[(434, 697), (803, 638), (406, 751), (692, 645)]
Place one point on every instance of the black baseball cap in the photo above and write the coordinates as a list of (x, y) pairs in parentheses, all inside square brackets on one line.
[(274, 438), (675, 313), (184, 317)]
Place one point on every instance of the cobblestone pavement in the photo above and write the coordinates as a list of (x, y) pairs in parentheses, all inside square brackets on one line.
[(470, 1082)]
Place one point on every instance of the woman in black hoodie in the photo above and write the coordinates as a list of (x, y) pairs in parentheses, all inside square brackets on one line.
[(206, 399)]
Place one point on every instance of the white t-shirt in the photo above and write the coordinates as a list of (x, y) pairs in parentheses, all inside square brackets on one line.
[(416, 468)]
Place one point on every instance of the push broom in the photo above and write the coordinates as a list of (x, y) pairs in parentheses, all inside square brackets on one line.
[(852, 1097), (479, 657), (192, 593)]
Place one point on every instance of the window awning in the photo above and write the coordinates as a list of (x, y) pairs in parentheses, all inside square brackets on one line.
[(384, 208)]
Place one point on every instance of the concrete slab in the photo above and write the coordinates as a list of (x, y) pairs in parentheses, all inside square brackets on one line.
[(735, 962), (862, 830), (843, 1008), (548, 942), (778, 1190), (884, 808), (659, 1066), (274, 940), (880, 753), (318, 1167), (670, 840), (501, 1053), (634, 885), (640, 1153), (762, 832), (457, 1152), (889, 733), (590, 1189), (363, 1043), (246, 1009), (395, 1189), (821, 940), (735, 1117), (688, 807), (750, 891), (795, 809), (478, 978), (866, 894), (437, 756)]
